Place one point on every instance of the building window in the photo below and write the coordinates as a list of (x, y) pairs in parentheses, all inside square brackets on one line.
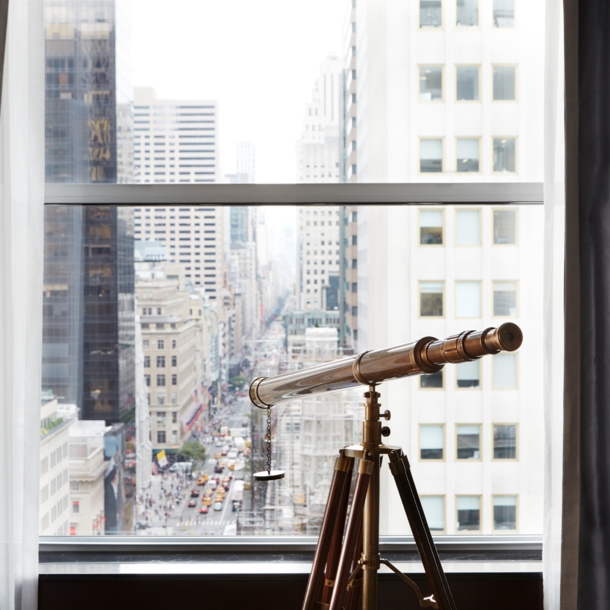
[(467, 228), (504, 371), (161, 380), (174, 415), (431, 155), (430, 83), (173, 343), (146, 362), (505, 513), (431, 299), (161, 398), (467, 155), (160, 344), (504, 83), (431, 442), (160, 362), (505, 442), (161, 417), (504, 13), (174, 397), (505, 227), (468, 374), (467, 13), (434, 380), (505, 298), (174, 379), (174, 360), (468, 509), (468, 442), (430, 14), (468, 299), (505, 155), (434, 511), (147, 379), (145, 344), (161, 436), (430, 227), (467, 83), (75, 506)]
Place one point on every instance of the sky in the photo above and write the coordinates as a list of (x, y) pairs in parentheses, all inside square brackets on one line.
[(257, 58)]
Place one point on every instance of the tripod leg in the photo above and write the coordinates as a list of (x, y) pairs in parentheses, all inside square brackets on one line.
[(337, 538), (316, 578), (401, 470), (351, 535), (353, 595)]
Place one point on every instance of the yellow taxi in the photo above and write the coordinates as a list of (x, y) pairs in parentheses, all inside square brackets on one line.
[(207, 501), (218, 455)]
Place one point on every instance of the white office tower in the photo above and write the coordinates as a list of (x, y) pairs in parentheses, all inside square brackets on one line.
[(466, 108), (143, 449)]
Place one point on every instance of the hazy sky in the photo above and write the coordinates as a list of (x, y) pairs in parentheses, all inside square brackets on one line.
[(257, 58)]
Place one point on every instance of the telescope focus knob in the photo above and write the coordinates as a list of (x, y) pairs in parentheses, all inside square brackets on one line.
[(385, 431), (386, 415)]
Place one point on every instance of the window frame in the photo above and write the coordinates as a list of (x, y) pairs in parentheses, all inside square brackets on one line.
[(470, 388), (504, 137), (493, 293), (512, 209), (433, 460), (455, 157), (516, 355), (431, 28), (443, 164), (444, 497), (443, 227), (455, 227), (493, 521), (468, 532), (468, 460), (419, 91), (493, 447), (480, 91), (419, 293), (468, 28), (163, 195), (500, 65), (455, 301)]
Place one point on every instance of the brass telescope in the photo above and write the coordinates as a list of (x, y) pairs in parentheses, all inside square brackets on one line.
[(428, 355), (347, 558)]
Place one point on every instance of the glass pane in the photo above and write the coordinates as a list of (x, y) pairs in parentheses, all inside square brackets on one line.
[(467, 13), (431, 155), (431, 227), (504, 85), (505, 372), (468, 374), (434, 510), (431, 442), (467, 228), (157, 319), (505, 298), (430, 83), (468, 513), (467, 83), (505, 155), (504, 13), (467, 155), (468, 299), (430, 13), (505, 442), (505, 512)]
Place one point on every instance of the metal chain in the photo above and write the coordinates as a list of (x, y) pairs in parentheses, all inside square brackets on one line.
[(268, 440)]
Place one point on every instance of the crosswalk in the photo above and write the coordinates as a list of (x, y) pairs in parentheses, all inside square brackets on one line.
[(202, 521)]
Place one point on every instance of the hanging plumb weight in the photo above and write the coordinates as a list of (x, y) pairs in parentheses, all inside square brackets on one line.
[(268, 475)]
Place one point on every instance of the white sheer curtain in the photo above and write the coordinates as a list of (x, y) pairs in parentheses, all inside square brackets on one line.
[(21, 268), (554, 201)]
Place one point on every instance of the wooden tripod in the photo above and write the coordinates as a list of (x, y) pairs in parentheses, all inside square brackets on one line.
[(346, 563)]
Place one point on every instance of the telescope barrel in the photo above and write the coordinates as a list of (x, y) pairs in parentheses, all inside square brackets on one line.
[(428, 355)]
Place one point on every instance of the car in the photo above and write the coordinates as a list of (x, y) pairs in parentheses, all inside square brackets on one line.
[(218, 506), (191, 503), (218, 443), (141, 525), (218, 455), (194, 493), (204, 510), (207, 501), (227, 486), (218, 469)]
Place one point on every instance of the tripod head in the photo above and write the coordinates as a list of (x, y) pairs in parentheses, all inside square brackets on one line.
[(425, 356)]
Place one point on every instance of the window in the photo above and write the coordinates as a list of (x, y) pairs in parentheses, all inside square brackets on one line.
[(467, 83), (431, 442), (505, 442), (147, 379), (467, 228), (504, 155), (430, 83), (505, 298), (431, 299), (173, 343), (160, 362), (145, 343), (146, 362), (160, 398), (174, 416), (430, 227), (504, 371), (430, 14), (160, 344), (431, 155), (434, 380), (75, 506), (174, 360), (467, 155), (468, 374), (468, 442), (505, 512), (504, 13), (504, 84), (174, 379), (468, 299), (160, 380), (160, 436), (161, 417), (434, 511), (467, 14), (468, 510), (174, 397), (505, 227)]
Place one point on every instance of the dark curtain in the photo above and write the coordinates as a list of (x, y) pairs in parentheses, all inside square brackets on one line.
[(3, 28), (586, 505)]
